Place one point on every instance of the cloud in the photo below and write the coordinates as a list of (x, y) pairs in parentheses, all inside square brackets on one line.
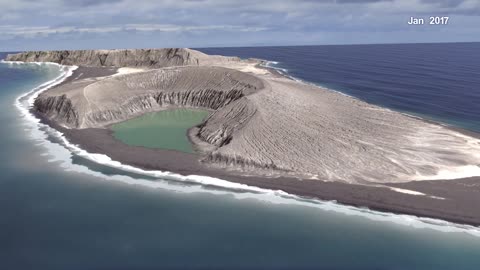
[(445, 3), (33, 31), (232, 5), (230, 21), (359, 1), (88, 3)]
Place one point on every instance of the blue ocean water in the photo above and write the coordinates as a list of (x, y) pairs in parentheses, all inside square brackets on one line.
[(62, 211), (436, 81)]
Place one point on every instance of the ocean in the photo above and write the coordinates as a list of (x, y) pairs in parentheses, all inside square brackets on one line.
[(70, 210)]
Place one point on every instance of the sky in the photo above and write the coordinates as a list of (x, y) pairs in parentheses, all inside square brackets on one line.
[(106, 24)]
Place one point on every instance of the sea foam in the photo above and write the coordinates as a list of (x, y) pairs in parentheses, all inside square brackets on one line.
[(63, 152)]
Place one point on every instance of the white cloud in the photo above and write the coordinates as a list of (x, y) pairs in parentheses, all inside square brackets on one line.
[(33, 31), (230, 21)]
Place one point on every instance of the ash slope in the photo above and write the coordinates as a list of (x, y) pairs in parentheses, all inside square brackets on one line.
[(268, 125)]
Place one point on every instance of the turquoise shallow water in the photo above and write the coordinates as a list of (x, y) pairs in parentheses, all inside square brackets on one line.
[(165, 129), (62, 211)]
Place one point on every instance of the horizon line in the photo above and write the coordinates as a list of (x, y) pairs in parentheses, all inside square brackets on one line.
[(259, 46)]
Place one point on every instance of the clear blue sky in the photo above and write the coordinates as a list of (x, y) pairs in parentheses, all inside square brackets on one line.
[(77, 24)]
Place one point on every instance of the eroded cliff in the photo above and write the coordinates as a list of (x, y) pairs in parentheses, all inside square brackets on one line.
[(151, 58)]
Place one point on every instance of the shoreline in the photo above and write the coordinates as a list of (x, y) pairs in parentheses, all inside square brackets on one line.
[(375, 198)]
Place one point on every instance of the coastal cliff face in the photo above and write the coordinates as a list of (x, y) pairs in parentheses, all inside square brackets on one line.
[(59, 108), (151, 58)]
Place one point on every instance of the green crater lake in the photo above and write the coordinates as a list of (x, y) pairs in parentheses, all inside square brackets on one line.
[(164, 129)]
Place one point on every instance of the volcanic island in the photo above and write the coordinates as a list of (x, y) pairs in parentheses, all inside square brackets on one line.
[(264, 129)]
